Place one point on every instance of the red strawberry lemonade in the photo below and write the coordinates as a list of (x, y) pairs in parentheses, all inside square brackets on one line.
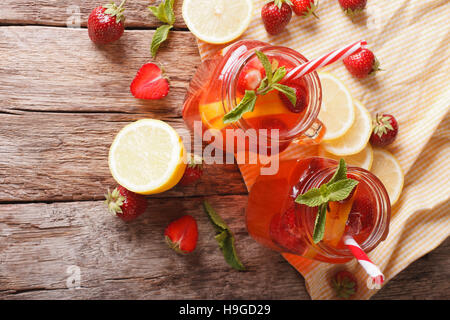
[(277, 221), (221, 82)]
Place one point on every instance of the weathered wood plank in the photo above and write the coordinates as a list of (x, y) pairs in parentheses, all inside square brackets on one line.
[(118, 260), (47, 12), (56, 69), (38, 242), (55, 156)]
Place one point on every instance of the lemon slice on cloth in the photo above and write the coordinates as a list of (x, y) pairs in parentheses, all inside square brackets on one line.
[(362, 159), (356, 139), (147, 157), (217, 21), (337, 111), (386, 167)]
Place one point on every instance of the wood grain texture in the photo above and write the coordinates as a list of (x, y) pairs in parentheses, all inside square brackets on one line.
[(132, 261), (64, 157), (38, 242), (58, 13), (63, 100), (58, 69), (69, 107)]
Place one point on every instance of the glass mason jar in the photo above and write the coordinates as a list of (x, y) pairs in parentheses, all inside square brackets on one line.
[(214, 91), (275, 220)]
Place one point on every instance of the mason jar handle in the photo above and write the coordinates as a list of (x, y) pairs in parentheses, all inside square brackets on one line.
[(313, 135)]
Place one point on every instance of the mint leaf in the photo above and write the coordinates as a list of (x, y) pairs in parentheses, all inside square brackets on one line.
[(264, 85), (217, 221), (337, 189), (164, 12), (247, 104), (340, 190), (312, 198), (319, 225), (224, 238), (279, 74), (159, 37), (341, 172), (288, 92), (266, 64), (228, 248)]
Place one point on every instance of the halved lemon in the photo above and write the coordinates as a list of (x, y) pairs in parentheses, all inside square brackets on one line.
[(356, 139), (362, 159), (147, 157), (386, 167), (337, 111), (217, 21)]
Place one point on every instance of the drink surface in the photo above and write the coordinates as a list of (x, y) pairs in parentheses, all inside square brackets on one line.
[(220, 84), (275, 220)]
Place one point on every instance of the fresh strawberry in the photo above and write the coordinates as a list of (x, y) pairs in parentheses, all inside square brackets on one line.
[(251, 76), (126, 204), (352, 7), (182, 234), (150, 83), (385, 130), (305, 8), (344, 284), (300, 93), (362, 63), (276, 15), (194, 170), (106, 23)]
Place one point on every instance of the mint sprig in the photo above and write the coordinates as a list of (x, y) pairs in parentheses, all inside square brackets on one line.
[(164, 12), (224, 238), (159, 37), (270, 82), (337, 189)]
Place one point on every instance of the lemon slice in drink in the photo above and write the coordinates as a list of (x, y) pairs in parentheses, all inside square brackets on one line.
[(147, 157), (356, 139), (386, 167), (337, 111), (217, 21), (362, 159)]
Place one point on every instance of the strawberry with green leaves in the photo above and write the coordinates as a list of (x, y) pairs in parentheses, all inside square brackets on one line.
[(385, 130), (352, 7), (276, 15), (344, 284), (305, 8), (194, 170), (106, 23), (126, 204), (362, 63)]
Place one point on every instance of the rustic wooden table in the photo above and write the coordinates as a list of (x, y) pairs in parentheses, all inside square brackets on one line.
[(62, 101)]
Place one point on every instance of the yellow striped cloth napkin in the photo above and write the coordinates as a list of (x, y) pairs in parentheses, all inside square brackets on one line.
[(411, 39)]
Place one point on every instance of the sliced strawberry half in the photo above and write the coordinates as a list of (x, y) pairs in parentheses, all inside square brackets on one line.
[(150, 83), (182, 234)]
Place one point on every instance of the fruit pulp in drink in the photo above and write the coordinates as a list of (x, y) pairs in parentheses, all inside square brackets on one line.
[(205, 101)]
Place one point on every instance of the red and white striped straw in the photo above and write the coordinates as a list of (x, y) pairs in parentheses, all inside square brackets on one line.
[(325, 60), (372, 270)]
